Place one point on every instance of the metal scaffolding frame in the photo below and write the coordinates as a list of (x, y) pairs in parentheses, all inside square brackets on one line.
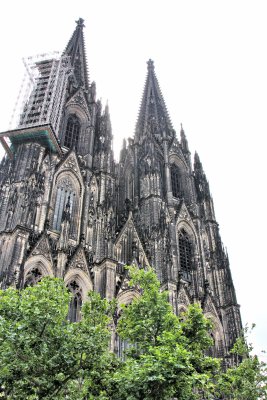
[(42, 94)]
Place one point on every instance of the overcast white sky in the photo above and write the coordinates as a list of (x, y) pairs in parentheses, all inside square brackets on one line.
[(210, 60)]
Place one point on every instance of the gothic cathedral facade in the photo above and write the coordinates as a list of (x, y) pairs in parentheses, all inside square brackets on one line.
[(67, 209)]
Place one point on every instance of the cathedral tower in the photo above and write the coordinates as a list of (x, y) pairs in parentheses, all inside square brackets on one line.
[(67, 209)]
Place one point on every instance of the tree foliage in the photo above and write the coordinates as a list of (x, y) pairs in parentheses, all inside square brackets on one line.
[(248, 379), (44, 356), (167, 357)]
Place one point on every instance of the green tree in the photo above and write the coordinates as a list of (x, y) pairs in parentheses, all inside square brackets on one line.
[(166, 358), (247, 380), (42, 355)]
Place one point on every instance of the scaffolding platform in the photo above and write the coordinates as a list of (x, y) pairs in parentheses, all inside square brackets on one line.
[(43, 134)]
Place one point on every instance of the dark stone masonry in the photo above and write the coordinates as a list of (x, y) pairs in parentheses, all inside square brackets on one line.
[(67, 209)]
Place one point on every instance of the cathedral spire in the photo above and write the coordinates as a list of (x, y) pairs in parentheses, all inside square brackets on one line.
[(184, 142), (153, 115), (75, 49), (202, 184), (197, 163), (104, 132)]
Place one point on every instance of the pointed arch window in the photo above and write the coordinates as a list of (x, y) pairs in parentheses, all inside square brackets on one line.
[(65, 194), (185, 252), (33, 277), (66, 202), (75, 305), (72, 132), (175, 180), (66, 198)]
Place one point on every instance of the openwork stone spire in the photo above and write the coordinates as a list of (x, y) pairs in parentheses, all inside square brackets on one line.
[(76, 51), (153, 115)]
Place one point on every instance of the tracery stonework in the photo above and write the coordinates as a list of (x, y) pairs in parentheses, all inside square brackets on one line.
[(83, 216), (42, 248)]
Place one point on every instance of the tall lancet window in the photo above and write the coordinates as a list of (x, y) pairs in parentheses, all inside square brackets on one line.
[(76, 301), (72, 132), (185, 252), (65, 199), (176, 180)]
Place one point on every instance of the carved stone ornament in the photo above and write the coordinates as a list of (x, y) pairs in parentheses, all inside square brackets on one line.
[(184, 214), (79, 98), (182, 298), (42, 247), (65, 183), (209, 307), (93, 184), (71, 163), (125, 284), (79, 261)]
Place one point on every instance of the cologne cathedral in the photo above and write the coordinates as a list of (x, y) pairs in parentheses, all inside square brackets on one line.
[(68, 209)]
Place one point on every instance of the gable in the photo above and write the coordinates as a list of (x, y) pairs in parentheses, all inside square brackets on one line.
[(79, 261), (42, 247), (78, 269), (129, 231), (78, 99), (70, 164), (183, 214), (183, 297), (176, 155), (209, 307)]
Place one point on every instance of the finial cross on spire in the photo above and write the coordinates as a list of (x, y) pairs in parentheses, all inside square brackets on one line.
[(80, 22), (150, 65)]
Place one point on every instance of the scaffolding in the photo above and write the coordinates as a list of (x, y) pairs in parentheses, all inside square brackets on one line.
[(42, 94), (39, 105)]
